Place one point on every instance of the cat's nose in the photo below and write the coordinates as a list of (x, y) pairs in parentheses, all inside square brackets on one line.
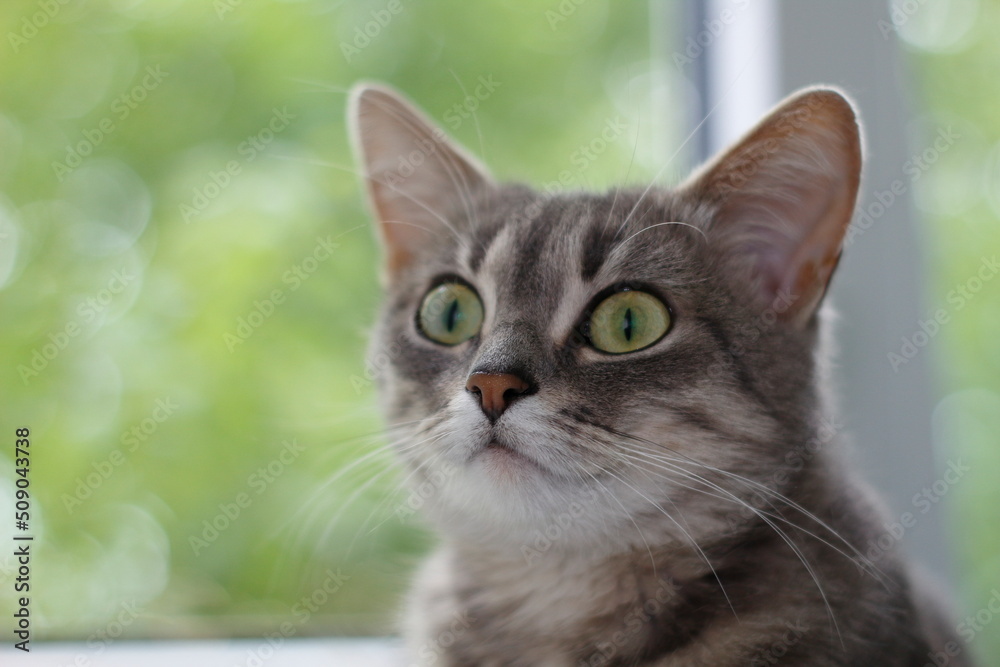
[(496, 391)]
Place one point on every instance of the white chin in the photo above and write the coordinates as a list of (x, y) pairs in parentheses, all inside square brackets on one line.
[(505, 499), (505, 467)]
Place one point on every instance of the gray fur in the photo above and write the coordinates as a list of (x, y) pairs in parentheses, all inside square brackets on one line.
[(684, 504)]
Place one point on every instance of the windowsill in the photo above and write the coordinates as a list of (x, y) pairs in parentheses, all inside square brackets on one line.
[(212, 653)]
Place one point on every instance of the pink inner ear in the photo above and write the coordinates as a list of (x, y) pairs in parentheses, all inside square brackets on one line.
[(788, 241), (416, 176), (786, 194)]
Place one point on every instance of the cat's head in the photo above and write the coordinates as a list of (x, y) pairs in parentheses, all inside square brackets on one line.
[(609, 357)]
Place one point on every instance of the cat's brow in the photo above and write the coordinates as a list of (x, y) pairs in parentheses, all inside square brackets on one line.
[(595, 248), (529, 246), (485, 236)]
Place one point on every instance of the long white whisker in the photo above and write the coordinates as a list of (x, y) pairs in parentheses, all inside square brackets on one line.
[(475, 116), (740, 502), (687, 534), (660, 224), (638, 530), (760, 487), (684, 143), (788, 541), (427, 463), (455, 173)]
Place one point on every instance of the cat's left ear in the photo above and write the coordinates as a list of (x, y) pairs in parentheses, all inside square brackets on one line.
[(419, 181), (785, 195)]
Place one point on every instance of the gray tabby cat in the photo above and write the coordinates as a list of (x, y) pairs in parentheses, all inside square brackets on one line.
[(619, 401)]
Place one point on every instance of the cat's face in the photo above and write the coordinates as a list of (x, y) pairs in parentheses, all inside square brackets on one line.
[(625, 363)]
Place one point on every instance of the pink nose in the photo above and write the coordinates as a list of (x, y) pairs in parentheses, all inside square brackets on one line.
[(496, 391)]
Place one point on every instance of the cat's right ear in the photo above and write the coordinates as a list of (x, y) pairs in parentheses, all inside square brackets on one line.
[(784, 196), (418, 180)]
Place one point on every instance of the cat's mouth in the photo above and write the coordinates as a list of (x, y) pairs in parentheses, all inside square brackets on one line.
[(497, 446), (503, 459)]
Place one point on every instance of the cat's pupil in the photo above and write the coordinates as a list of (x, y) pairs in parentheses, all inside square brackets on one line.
[(628, 324), (452, 316)]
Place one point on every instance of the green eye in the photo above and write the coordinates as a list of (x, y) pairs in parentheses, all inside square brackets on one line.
[(628, 321), (451, 314)]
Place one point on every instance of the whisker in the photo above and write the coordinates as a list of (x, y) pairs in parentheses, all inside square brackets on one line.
[(872, 569), (322, 490), (791, 545), (765, 489), (475, 116), (321, 86), (722, 98), (455, 173), (661, 224), (365, 176), (686, 533), (402, 487), (649, 550)]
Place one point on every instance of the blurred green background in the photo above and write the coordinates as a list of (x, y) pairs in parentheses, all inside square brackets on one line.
[(187, 276)]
